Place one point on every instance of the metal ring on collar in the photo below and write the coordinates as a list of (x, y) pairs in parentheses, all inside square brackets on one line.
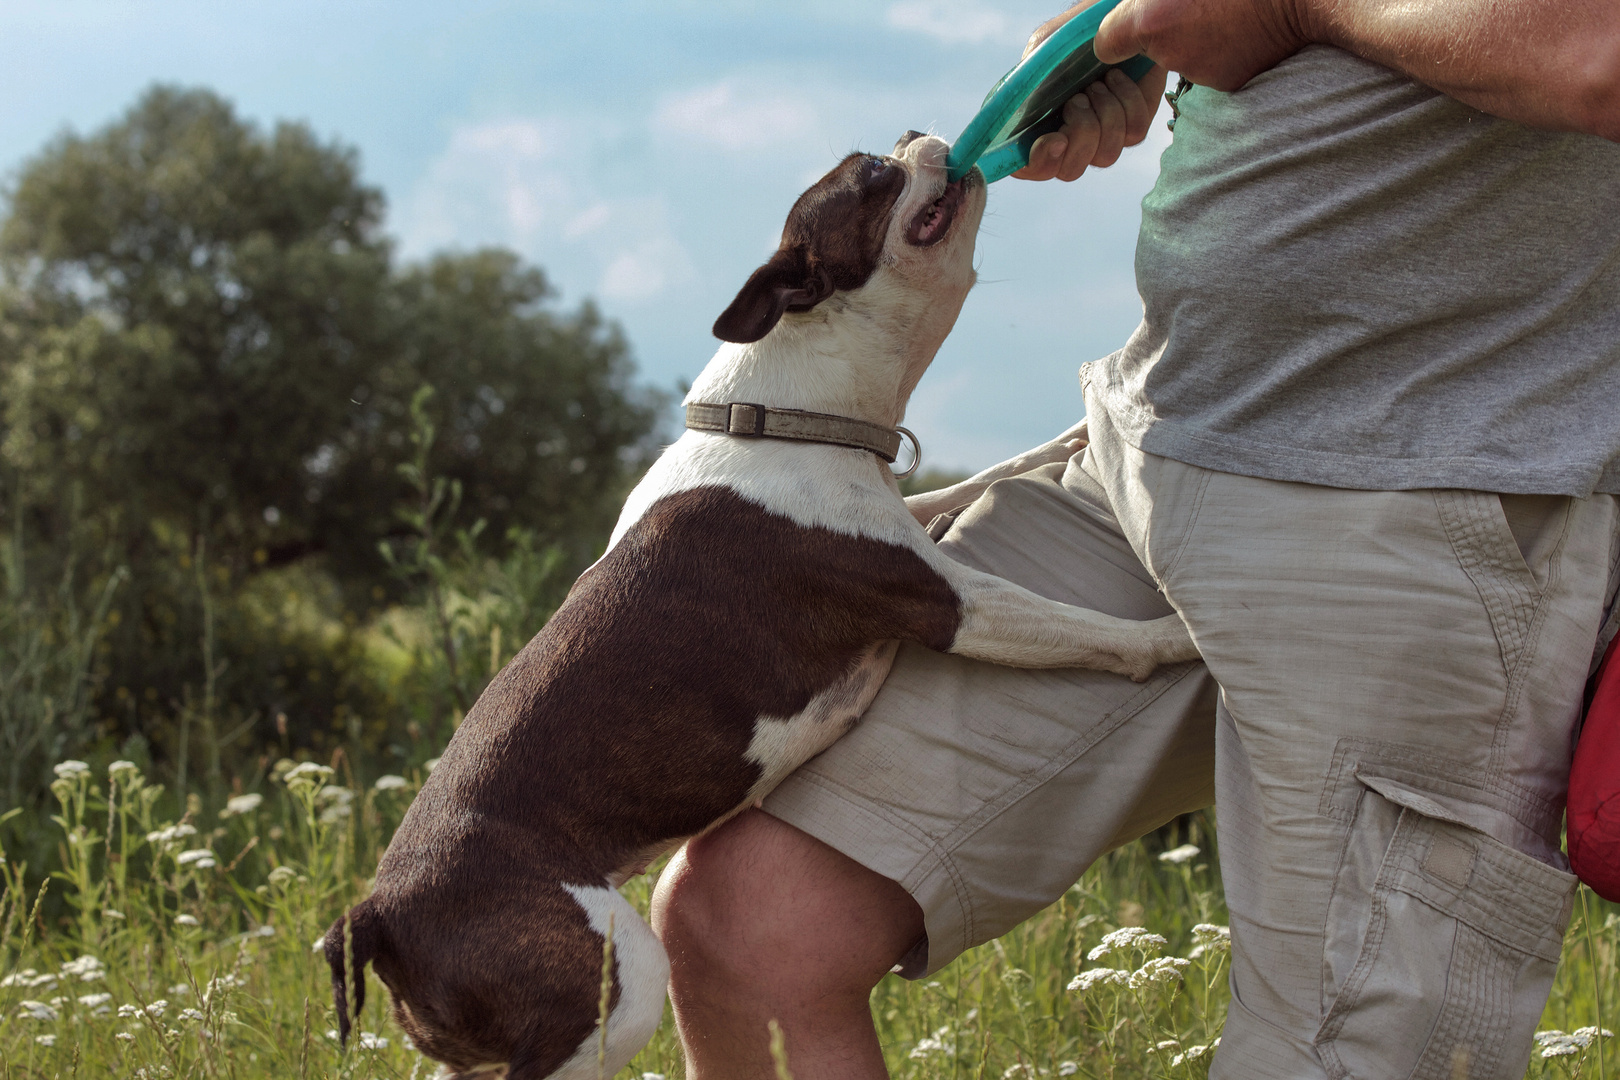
[(916, 453)]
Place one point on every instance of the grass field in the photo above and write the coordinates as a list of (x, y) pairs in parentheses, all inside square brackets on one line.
[(182, 948)]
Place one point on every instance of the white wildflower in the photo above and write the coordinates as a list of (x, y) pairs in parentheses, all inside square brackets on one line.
[(180, 989), (337, 801), (308, 773), (332, 1033), (36, 1010), (1023, 1071), (221, 983), (127, 1011), (1101, 976), (157, 1007), (1178, 855), (1127, 937), (1162, 969), (186, 920), (390, 782), (430, 764), (264, 931), (110, 913), (1556, 1043), (1166, 1044), (90, 1001), (126, 1036), (242, 804), (193, 1015), (372, 1041), (199, 856), (171, 834), (72, 770), (1068, 1068), (282, 874), (940, 1042), (120, 767), (319, 945), (652, 1076), (1212, 940), (45, 1040), (1193, 1054), (29, 978)]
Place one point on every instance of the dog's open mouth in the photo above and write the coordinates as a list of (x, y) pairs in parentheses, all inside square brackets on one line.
[(933, 221)]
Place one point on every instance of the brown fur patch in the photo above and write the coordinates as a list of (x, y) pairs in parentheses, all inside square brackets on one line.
[(621, 726), (833, 240)]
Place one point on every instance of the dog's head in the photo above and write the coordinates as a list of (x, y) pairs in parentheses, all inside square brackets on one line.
[(888, 224)]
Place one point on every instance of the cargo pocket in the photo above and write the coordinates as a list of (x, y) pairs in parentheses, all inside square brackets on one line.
[(1440, 948)]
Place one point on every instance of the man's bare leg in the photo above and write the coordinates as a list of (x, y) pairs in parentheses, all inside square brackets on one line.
[(764, 922)]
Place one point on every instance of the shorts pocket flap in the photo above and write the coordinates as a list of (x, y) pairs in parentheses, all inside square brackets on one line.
[(1507, 896)]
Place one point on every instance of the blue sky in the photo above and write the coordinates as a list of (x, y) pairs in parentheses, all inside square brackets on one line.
[(644, 155)]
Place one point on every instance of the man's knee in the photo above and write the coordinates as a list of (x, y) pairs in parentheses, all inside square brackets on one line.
[(758, 902)]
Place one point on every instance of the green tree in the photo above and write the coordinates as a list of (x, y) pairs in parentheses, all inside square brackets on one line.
[(205, 341)]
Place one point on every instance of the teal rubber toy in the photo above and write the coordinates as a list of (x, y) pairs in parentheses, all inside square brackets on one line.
[(1028, 101)]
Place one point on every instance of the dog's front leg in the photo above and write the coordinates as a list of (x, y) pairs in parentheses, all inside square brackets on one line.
[(930, 504), (1007, 624)]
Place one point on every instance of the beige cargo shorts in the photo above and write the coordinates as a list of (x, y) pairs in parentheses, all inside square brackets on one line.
[(1385, 724)]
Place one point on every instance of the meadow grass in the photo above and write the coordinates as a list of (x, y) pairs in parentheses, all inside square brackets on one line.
[(182, 947)]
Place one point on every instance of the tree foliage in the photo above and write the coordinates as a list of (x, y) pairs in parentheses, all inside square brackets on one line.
[(206, 342)]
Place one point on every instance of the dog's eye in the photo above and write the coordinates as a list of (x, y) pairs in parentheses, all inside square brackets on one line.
[(878, 166)]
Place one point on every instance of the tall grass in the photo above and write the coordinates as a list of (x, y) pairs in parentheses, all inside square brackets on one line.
[(184, 950)]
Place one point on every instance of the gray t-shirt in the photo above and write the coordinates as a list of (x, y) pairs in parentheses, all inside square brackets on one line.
[(1350, 279)]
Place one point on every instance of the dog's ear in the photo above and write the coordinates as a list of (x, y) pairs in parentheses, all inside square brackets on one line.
[(785, 283)]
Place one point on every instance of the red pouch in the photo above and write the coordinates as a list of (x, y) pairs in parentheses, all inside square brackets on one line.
[(1594, 785)]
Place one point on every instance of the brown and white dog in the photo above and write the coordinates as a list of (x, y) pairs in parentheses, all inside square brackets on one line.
[(747, 609)]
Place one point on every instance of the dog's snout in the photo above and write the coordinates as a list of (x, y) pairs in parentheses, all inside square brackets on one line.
[(906, 140)]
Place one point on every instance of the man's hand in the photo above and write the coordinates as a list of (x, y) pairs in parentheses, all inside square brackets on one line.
[(1098, 123), (1217, 43)]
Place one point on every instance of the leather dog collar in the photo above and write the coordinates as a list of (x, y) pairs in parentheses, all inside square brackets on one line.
[(759, 421)]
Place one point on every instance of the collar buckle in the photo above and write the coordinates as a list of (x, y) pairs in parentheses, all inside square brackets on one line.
[(745, 418)]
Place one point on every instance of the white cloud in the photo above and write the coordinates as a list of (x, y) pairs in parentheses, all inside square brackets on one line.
[(587, 222), (643, 271), (534, 185), (496, 182), (955, 22), (734, 118)]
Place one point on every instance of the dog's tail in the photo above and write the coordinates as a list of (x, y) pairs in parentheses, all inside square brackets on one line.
[(351, 942)]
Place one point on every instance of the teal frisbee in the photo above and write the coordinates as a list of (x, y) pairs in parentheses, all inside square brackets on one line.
[(1028, 101)]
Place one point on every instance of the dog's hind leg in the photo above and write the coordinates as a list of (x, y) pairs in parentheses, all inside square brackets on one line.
[(640, 982)]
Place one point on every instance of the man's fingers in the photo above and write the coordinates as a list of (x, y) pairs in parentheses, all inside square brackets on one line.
[(1082, 126), (1141, 100), (1045, 157), (1111, 125)]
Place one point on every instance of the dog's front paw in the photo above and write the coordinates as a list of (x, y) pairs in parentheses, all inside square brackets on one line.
[(1163, 641), (1172, 641)]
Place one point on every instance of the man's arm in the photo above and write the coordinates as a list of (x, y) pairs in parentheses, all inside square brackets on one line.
[(1548, 63)]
